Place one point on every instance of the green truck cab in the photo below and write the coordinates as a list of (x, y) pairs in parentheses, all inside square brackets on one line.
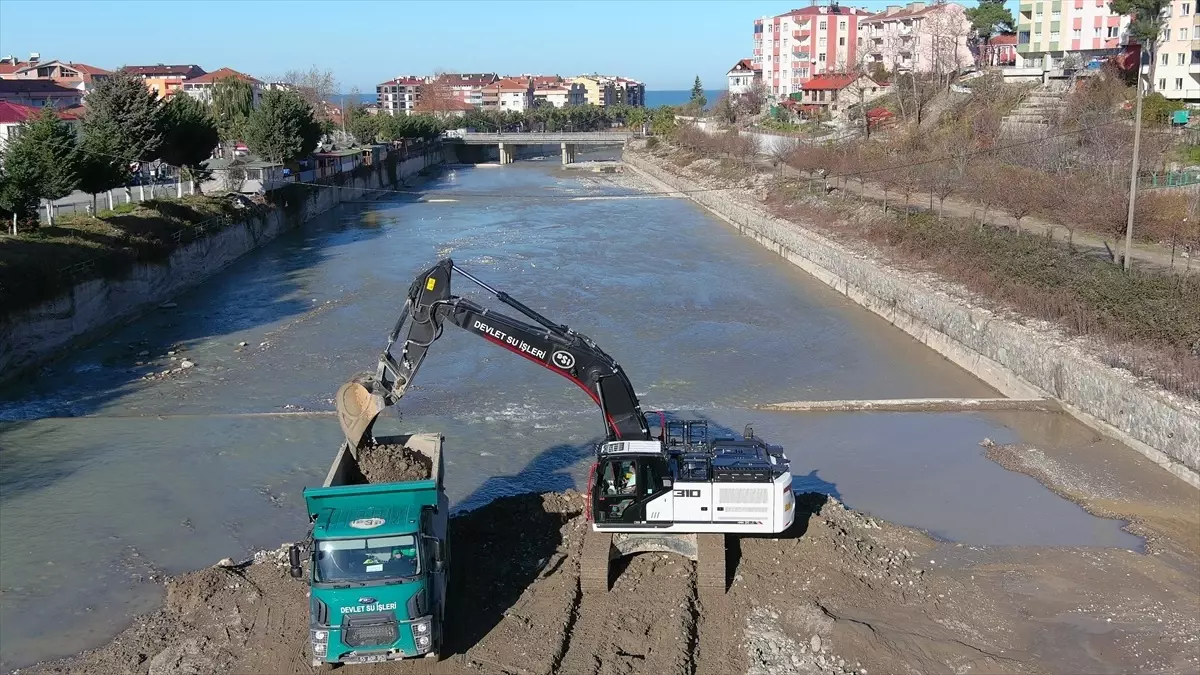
[(377, 560)]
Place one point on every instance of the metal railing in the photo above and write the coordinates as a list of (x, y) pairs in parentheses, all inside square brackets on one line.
[(546, 136)]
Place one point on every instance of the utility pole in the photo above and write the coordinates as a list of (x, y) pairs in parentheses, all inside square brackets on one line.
[(1133, 171)]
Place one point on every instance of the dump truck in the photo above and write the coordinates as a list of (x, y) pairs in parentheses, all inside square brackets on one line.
[(378, 556)]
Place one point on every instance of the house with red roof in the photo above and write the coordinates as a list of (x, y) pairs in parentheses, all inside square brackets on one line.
[(165, 80), (201, 87), (13, 115), (742, 76), (37, 92), (1000, 50), (835, 93), (78, 76)]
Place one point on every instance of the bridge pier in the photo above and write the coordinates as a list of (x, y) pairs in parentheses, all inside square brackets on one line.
[(505, 155), (568, 153)]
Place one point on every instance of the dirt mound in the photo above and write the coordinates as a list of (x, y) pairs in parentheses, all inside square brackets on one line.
[(840, 593), (385, 463)]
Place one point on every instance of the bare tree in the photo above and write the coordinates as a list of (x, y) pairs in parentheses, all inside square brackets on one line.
[(781, 149), (314, 85), (437, 96)]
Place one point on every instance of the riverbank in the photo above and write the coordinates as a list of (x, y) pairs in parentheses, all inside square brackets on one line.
[(120, 267), (1020, 358), (840, 593)]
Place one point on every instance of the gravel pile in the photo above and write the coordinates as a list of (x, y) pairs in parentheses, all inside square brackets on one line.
[(393, 464)]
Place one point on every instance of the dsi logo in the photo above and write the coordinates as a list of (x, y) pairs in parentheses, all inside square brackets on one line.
[(564, 360)]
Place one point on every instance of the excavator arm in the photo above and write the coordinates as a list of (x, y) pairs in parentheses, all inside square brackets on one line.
[(553, 346)]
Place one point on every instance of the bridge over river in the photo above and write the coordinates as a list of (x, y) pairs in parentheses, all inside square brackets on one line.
[(567, 140), (110, 479)]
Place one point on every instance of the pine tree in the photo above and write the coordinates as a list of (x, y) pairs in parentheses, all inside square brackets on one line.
[(989, 18), (189, 135), (698, 97), (123, 120), (39, 164), (283, 128)]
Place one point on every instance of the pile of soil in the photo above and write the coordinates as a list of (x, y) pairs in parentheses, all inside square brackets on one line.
[(386, 463), (840, 593)]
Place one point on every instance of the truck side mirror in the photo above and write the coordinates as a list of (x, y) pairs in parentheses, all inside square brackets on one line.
[(294, 562), (435, 550)]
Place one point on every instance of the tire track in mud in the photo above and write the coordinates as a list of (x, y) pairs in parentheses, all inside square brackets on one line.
[(645, 624)]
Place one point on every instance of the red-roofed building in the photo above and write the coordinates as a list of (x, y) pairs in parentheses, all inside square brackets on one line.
[(78, 76), (1000, 50), (399, 96), (37, 92), (742, 77), (793, 47), (165, 80), (201, 87), (13, 115), (509, 93), (468, 87), (836, 93)]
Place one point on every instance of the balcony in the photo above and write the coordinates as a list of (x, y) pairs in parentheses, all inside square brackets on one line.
[(803, 56)]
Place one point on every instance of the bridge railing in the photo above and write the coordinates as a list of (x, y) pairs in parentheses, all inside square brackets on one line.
[(526, 136)]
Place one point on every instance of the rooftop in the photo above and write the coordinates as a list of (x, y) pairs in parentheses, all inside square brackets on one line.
[(222, 73), (830, 82), (745, 64), (408, 80), (909, 11), (162, 70), (35, 87), (15, 113)]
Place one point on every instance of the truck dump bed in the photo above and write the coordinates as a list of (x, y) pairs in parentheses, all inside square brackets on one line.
[(347, 470)]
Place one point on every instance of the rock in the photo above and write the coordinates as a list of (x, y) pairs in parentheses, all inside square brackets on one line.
[(168, 305), (815, 643), (185, 364), (144, 352), (171, 353), (226, 562), (243, 343)]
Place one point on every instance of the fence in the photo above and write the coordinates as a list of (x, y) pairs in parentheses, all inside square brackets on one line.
[(1170, 179), (81, 202)]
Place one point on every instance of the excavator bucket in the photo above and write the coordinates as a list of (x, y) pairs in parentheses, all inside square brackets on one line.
[(357, 409)]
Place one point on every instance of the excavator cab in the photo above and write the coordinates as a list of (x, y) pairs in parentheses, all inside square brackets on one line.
[(625, 483)]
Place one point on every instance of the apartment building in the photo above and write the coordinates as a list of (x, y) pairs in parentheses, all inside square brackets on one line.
[(742, 77), (201, 87), (559, 95), (509, 93), (1177, 72), (468, 87), (597, 90), (630, 92), (165, 80), (399, 96), (1054, 33), (78, 76), (794, 47), (917, 38)]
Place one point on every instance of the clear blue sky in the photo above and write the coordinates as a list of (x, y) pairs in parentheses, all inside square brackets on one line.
[(664, 44)]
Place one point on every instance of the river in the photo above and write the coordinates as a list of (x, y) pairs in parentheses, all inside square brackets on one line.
[(108, 480)]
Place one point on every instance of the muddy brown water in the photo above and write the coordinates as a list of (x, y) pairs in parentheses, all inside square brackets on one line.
[(108, 481)]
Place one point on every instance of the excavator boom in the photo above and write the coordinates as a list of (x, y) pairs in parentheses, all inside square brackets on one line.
[(553, 346)]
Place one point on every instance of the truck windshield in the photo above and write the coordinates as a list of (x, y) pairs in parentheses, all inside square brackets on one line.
[(371, 559)]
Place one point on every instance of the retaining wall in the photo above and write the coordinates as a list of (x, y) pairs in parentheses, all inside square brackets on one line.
[(1020, 361), (32, 336)]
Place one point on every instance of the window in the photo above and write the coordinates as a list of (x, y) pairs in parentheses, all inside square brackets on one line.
[(1195, 57), (1112, 31), (841, 42), (1054, 36), (841, 25), (1165, 60), (1096, 32), (821, 42), (1162, 83), (367, 559), (859, 42), (804, 72), (1186, 9), (821, 26), (1056, 15), (1179, 83), (821, 57), (1182, 61), (1183, 34), (1166, 35), (1077, 33)]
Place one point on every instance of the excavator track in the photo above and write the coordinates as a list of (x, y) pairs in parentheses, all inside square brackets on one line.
[(593, 564), (710, 564)]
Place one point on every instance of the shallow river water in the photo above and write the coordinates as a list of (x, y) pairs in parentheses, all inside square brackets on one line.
[(107, 479)]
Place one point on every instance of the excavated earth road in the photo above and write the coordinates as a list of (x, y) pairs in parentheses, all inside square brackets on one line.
[(840, 593)]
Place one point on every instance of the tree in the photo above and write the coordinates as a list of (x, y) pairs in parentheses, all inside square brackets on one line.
[(1146, 24), (41, 163), (189, 136), (124, 119), (662, 121), (751, 101), (315, 86), (723, 109), (698, 99), (364, 126), (436, 97), (102, 166), (990, 18), (232, 103), (282, 129)]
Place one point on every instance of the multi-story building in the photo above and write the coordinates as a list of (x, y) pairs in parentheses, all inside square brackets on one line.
[(165, 80), (201, 88), (916, 38), (559, 95), (468, 87), (793, 47), (742, 77), (630, 92), (399, 96), (509, 93), (598, 90), (79, 76), (37, 93), (1177, 71), (1054, 33)]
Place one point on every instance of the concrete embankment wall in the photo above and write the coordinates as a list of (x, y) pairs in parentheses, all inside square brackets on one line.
[(1018, 360), (32, 336)]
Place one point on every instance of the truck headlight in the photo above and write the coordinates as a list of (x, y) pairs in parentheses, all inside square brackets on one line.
[(422, 641), (422, 628), (320, 636), (319, 648)]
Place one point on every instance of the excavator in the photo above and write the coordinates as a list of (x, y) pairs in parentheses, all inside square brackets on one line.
[(658, 483)]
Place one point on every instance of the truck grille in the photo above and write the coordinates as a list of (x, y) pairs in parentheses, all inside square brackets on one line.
[(370, 630)]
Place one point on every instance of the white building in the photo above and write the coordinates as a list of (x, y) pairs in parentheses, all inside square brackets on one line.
[(399, 96), (1177, 71), (918, 38), (742, 76), (560, 95)]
